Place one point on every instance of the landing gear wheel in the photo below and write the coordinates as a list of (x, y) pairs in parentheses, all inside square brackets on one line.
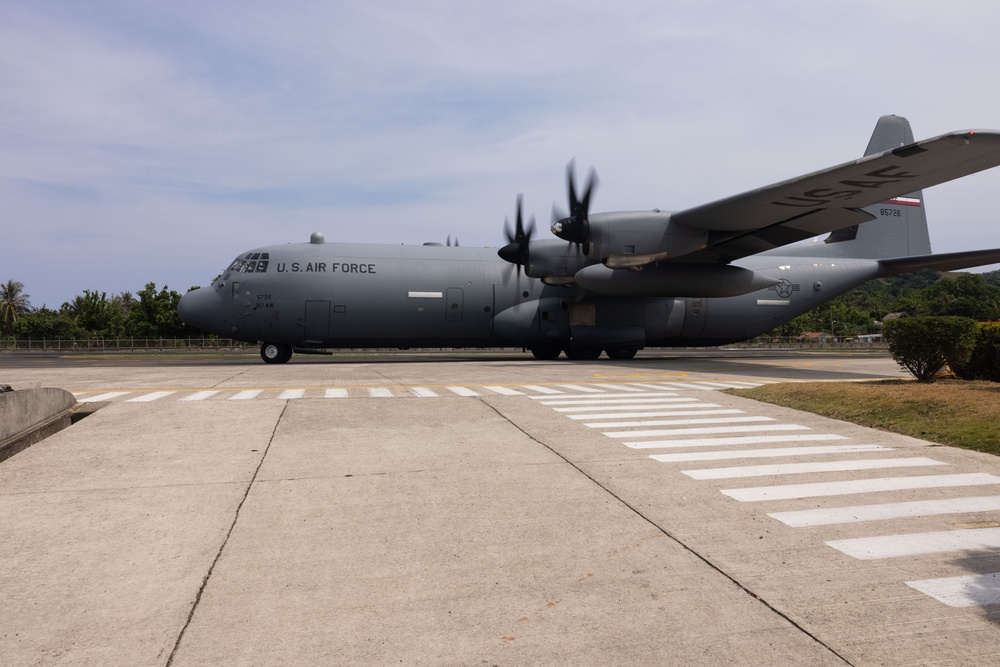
[(621, 353), (546, 352), (583, 353), (272, 353)]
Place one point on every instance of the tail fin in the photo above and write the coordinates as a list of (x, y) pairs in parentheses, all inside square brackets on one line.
[(900, 226)]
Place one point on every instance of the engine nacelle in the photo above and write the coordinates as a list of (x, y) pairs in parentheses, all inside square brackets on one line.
[(695, 280), (554, 261), (634, 238)]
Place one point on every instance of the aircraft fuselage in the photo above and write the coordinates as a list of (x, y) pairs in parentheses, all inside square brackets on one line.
[(332, 295)]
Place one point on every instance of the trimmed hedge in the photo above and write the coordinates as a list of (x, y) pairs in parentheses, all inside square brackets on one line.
[(924, 345), (984, 363)]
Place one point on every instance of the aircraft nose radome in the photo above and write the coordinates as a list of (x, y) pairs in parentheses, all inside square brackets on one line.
[(201, 308)]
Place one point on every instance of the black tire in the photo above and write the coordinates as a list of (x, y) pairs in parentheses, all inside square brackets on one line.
[(621, 353), (273, 353), (546, 352), (583, 353)]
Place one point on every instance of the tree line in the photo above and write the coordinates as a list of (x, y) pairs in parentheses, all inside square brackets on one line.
[(149, 313), (920, 294), (152, 312)]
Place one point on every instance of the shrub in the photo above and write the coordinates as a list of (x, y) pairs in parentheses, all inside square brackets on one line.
[(924, 345), (984, 363)]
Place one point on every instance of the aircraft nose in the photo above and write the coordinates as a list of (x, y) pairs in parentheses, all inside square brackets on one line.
[(201, 308)]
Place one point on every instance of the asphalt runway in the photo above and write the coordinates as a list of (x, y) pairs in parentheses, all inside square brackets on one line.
[(492, 509)]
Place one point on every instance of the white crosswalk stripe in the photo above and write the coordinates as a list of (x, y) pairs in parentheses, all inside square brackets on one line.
[(722, 454), (200, 395), (977, 590), (542, 390), (631, 400), (246, 394), (463, 391), (801, 468), (505, 391), (423, 392), (681, 422), (818, 489), (107, 396), (651, 433), (670, 404), (147, 398), (665, 413), (292, 394), (826, 516), (737, 440), (894, 546)]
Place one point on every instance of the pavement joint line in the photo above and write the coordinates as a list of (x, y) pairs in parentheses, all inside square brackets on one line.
[(666, 533), (225, 541)]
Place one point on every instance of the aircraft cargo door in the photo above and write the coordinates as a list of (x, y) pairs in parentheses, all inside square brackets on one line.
[(317, 320)]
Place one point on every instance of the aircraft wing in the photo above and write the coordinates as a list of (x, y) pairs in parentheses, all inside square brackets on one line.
[(831, 199)]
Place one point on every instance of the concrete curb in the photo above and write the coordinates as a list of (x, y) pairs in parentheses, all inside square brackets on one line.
[(30, 415)]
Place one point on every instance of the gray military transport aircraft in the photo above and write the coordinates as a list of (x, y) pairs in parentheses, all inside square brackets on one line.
[(613, 282)]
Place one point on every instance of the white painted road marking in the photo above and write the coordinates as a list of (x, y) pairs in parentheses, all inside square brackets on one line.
[(681, 422), (580, 388), (664, 404), (506, 391), (103, 397), (856, 513), (712, 429), (292, 394), (246, 394), (790, 491), (976, 590), (423, 392), (672, 413), (542, 390), (568, 400), (380, 392), (200, 395), (146, 398), (721, 455), (738, 440), (801, 468), (892, 546), (335, 393), (462, 391)]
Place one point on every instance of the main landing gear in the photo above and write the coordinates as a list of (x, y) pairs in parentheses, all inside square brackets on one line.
[(273, 353), (552, 352)]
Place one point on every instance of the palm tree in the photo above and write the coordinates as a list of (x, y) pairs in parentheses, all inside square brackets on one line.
[(14, 304)]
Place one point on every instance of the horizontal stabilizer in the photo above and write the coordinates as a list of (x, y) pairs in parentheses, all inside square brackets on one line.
[(949, 261)]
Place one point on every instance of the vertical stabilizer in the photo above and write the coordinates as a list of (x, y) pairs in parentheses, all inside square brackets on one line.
[(900, 225)]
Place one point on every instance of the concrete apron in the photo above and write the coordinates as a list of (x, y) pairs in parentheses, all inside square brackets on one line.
[(310, 531)]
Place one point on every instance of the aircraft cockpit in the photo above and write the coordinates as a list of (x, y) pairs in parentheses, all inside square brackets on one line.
[(252, 262)]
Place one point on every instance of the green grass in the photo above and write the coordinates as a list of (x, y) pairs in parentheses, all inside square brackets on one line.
[(950, 412)]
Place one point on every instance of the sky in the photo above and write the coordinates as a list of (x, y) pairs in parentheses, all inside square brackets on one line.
[(154, 141)]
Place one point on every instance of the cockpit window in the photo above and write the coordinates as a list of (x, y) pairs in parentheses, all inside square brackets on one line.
[(252, 262)]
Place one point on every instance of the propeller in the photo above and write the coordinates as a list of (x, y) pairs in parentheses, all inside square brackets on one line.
[(519, 241), (575, 227)]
